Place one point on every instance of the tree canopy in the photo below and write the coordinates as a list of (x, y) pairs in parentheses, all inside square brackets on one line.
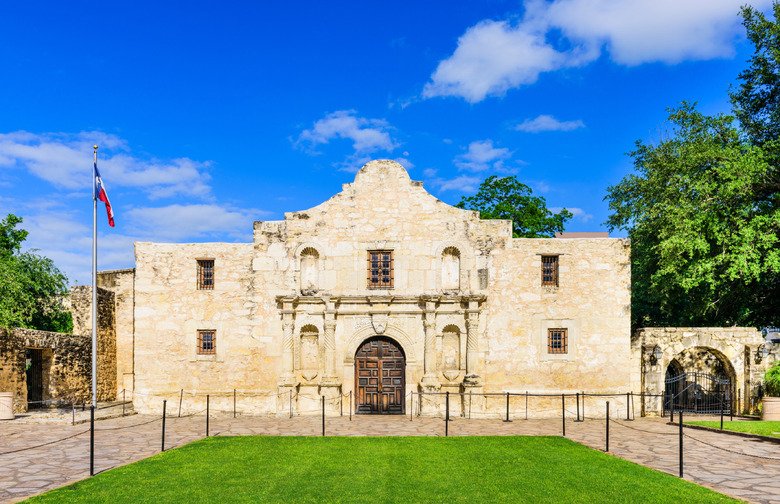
[(31, 286), (702, 208), (508, 198)]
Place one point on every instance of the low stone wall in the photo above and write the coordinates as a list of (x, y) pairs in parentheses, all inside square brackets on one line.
[(67, 371), (692, 348)]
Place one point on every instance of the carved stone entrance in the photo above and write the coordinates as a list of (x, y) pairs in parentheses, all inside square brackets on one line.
[(380, 376)]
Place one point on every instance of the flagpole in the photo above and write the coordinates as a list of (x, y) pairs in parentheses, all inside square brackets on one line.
[(94, 285)]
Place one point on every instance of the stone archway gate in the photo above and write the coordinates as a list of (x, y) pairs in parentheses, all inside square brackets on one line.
[(736, 346)]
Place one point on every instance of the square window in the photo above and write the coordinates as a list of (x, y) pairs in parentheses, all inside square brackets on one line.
[(380, 269), (550, 270), (205, 274), (207, 342), (557, 341)]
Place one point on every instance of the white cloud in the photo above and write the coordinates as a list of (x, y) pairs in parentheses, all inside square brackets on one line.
[(495, 56), (367, 135), (462, 183), (195, 221), (430, 172), (491, 58), (578, 213), (482, 155), (641, 31), (404, 162), (65, 160), (548, 123)]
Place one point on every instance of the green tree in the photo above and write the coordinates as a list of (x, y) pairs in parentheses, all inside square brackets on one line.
[(756, 101), (704, 238), (701, 208), (31, 286), (507, 198)]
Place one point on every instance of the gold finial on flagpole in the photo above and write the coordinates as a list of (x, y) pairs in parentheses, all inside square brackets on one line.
[(95, 147)]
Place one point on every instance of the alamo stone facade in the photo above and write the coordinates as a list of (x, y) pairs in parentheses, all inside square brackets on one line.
[(381, 291), (381, 269)]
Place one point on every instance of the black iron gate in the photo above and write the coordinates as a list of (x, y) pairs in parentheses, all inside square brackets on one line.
[(698, 393), (34, 377)]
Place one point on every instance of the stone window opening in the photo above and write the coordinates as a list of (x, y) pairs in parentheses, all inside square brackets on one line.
[(310, 259), (557, 341), (450, 269), (205, 274), (550, 271), (207, 342), (380, 269)]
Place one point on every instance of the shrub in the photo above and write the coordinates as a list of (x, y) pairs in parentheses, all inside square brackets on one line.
[(772, 381)]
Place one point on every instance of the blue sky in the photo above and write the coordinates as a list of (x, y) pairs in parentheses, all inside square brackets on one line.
[(211, 116)]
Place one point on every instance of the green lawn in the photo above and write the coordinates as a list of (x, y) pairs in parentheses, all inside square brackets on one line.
[(753, 427), (388, 469)]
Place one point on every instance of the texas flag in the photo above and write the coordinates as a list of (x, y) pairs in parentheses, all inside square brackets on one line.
[(100, 192)]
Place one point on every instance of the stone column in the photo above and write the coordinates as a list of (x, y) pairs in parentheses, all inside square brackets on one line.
[(330, 346), (472, 344), (430, 381), (288, 325)]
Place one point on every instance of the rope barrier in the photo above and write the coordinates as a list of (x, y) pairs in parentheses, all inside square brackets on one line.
[(43, 444), (731, 451)]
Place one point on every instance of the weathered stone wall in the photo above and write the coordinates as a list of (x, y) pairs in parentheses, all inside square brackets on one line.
[(67, 369), (592, 301), (12, 363), (81, 308), (466, 306), (692, 348), (122, 284)]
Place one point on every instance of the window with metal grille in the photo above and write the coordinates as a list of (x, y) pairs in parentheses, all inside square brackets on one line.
[(557, 341), (550, 270), (206, 274), (207, 342), (380, 269)]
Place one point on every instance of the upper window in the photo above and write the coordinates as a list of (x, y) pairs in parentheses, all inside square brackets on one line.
[(207, 342), (557, 341), (550, 270), (380, 269), (206, 274)]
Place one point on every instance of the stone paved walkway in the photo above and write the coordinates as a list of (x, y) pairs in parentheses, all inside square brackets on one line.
[(647, 441)]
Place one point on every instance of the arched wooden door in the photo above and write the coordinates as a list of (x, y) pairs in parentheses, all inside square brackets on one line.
[(380, 377)]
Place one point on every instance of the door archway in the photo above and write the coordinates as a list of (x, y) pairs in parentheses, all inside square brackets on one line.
[(380, 377)]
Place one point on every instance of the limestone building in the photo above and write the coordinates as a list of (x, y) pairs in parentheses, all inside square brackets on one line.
[(380, 291)]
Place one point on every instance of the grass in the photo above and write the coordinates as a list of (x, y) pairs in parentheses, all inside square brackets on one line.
[(499, 469), (763, 428)]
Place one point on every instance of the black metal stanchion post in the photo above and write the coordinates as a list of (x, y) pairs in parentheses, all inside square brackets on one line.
[(563, 413), (526, 405), (341, 404), (350, 405), (607, 427), (291, 404), (162, 442), (507, 408), (91, 440), (411, 408), (181, 396), (73, 407), (583, 406), (628, 417), (633, 407), (123, 402), (739, 401), (447, 416), (323, 415), (680, 418), (207, 415), (234, 403), (642, 405), (578, 407), (469, 404), (721, 411)]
